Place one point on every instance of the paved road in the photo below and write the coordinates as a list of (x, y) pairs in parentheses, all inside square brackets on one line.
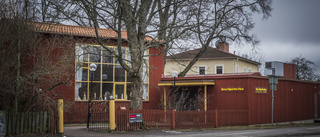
[(310, 131)]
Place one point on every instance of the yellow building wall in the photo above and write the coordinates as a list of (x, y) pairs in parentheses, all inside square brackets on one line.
[(210, 65)]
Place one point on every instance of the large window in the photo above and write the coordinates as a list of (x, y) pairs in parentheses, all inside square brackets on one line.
[(110, 80)]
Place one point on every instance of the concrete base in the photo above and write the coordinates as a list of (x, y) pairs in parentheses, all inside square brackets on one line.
[(285, 123)]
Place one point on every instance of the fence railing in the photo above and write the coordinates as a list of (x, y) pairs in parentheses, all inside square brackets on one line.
[(182, 119), (166, 119), (28, 122), (99, 121)]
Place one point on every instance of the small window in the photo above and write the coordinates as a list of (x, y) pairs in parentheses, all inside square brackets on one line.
[(244, 69), (219, 69), (249, 69), (202, 70)]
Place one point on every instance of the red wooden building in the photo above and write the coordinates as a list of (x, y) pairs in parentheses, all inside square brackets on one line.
[(246, 98), (110, 79)]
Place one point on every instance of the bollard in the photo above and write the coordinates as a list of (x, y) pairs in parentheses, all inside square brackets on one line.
[(112, 118), (60, 115)]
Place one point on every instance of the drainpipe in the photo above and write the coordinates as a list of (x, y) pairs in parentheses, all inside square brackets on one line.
[(235, 64)]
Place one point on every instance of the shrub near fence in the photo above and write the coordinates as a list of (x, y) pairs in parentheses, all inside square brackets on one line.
[(28, 122), (195, 119)]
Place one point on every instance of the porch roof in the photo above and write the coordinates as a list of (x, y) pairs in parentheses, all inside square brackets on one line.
[(187, 82)]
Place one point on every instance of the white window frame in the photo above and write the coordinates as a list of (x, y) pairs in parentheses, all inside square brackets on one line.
[(244, 69), (249, 69), (236, 69), (205, 69), (215, 68)]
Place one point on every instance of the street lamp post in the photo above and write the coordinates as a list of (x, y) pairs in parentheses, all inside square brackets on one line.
[(174, 74), (93, 68)]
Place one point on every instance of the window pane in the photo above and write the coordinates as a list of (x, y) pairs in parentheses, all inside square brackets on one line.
[(81, 53), (145, 75), (96, 74), (95, 53), (107, 72), (107, 56), (119, 92), (145, 91), (123, 54), (81, 91), (119, 74), (107, 91), (95, 93), (128, 91), (202, 71), (82, 72), (219, 69), (128, 78)]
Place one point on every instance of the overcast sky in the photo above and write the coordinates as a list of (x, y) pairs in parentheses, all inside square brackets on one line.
[(291, 31)]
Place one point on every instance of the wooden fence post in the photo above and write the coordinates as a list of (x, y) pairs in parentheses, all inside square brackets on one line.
[(173, 119), (216, 111), (60, 114), (112, 117)]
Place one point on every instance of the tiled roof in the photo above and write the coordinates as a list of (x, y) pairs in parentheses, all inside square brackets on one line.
[(210, 53), (76, 30)]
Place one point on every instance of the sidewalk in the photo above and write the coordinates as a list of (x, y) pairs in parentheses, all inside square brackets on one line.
[(82, 131)]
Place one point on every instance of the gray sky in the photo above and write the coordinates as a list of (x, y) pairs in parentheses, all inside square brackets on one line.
[(291, 31)]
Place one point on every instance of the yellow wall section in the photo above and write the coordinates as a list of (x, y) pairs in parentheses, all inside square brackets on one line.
[(228, 66)]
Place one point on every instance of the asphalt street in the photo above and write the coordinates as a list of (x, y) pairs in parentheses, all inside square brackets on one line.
[(309, 131)]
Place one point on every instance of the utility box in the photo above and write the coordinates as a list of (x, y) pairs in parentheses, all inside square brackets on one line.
[(274, 68), (135, 117)]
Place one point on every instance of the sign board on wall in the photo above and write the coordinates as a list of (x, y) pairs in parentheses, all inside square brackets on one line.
[(2, 123), (261, 90), (135, 117), (232, 89)]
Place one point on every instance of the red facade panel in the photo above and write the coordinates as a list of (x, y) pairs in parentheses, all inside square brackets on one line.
[(293, 99), (231, 94)]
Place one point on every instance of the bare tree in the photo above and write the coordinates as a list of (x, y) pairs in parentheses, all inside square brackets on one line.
[(168, 23), (305, 69), (31, 62)]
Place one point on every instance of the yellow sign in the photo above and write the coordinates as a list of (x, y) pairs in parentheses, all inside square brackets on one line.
[(261, 90), (232, 89)]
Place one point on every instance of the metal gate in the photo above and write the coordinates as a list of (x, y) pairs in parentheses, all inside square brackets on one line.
[(99, 116)]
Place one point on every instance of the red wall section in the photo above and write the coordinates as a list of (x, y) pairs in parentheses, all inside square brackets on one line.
[(293, 100), (156, 68), (259, 103), (231, 99)]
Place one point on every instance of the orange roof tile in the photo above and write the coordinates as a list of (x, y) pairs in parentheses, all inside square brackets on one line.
[(77, 30)]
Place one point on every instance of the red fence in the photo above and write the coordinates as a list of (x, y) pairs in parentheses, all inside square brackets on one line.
[(182, 119)]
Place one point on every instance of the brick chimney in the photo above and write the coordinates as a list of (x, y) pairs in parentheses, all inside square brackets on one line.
[(223, 46), (289, 71)]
